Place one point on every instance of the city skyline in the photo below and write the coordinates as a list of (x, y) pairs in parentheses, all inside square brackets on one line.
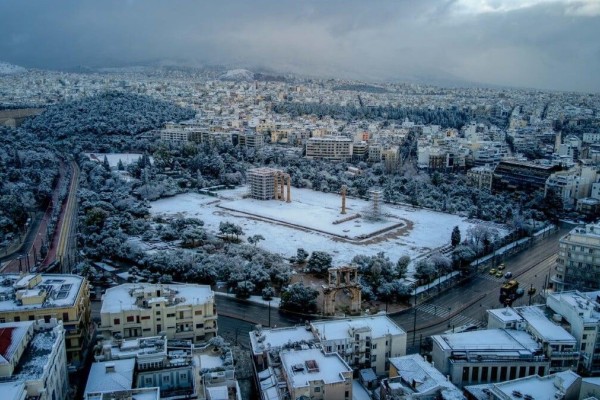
[(534, 43)]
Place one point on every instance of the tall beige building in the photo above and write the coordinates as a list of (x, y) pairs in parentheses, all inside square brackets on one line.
[(179, 311), (45, 296)]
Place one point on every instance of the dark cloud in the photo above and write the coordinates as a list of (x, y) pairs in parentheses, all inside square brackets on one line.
[(544, 44)]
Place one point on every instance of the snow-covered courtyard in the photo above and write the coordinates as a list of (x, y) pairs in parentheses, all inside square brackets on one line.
[(307, 222)]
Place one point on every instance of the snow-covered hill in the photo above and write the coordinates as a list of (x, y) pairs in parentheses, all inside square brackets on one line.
[(237, 75), (6, 69)]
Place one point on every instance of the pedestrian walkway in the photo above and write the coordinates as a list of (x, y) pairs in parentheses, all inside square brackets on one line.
[(441, 312), (445, 312)]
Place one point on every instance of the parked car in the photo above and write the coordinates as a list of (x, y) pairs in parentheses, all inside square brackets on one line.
[(493, 271), (499, 274), (501, 267)]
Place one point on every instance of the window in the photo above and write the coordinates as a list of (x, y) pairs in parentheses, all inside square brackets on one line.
[(17, 318), (373, 358), (198, 326), (158, 312), (146, 317), (484, 374), (317, 389), (513, 373), (541, 371), (522, 371), (117, 321), (374, 346), (47, 318), (170, 315), (475, 374), (66, 317), (183, 377), (32, 318), (198, 312), (130, 318), (2, 320)]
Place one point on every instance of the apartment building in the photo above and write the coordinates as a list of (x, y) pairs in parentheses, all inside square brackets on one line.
[(333, 148), (490, 355), (558, 345), (581, 312), (364, 342), (34, 360), (521, 175), (178, 311), (66, 298), (314, 374), (571, 185), (250, 140), (578, 262), (480, 177)]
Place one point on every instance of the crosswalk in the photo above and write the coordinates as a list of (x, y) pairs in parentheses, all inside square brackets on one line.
[(444, 312)]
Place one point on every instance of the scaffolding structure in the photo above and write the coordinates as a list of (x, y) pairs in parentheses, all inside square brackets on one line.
[(376, 197), (270, 183)]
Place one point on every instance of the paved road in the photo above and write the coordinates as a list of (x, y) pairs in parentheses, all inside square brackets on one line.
[(29, 254)]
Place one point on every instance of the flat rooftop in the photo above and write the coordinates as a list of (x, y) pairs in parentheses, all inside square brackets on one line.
[(121, 298), (304, 366), (380, 325), (110, 376), (413, 368), (538, 320), (35, 357), (505, 315), (133, 394), (61, 291), (501, 340), (278, 337), (547, 387)]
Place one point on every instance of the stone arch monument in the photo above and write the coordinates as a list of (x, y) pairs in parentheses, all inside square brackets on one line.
[(342, 280)]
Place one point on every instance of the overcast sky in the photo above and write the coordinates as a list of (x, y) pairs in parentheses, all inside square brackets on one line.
[(528, 43)]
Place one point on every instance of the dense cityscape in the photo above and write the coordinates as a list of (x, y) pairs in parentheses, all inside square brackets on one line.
[(225, 231)]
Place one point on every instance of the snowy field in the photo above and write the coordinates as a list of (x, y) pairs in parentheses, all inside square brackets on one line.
[(113, 158), (424, 231)]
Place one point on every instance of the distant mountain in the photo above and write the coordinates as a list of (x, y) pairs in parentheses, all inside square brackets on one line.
[(8, 69), (237, 75)]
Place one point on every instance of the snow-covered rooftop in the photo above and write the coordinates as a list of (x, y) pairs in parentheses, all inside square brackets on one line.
[(380, 325), (123, 297), (35, 358), (11, 336), (279, 337), (304, 366), (152, 393), (419, 375), (545, 328), (540, 388), (503, 340), (114, 375), (12, 390), (61, 291), (505, 315), (131, 348)]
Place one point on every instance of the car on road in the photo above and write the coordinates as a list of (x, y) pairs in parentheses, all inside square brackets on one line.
[(499, 274), (493, 271), (508, 275), (501, 267)]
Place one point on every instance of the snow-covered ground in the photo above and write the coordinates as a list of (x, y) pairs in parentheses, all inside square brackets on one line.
[(113, 158), (426, 230)]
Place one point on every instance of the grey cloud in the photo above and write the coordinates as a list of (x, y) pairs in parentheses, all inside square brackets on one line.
[(548, 45)]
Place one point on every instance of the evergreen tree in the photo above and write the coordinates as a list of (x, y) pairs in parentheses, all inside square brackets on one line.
[(455, 238)]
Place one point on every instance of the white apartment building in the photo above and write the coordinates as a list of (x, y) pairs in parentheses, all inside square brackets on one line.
[(582, 312), (571, 185), (178, 311), (591, 137), (333, 148), (578, 262), (34, 359), (364, 342)]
